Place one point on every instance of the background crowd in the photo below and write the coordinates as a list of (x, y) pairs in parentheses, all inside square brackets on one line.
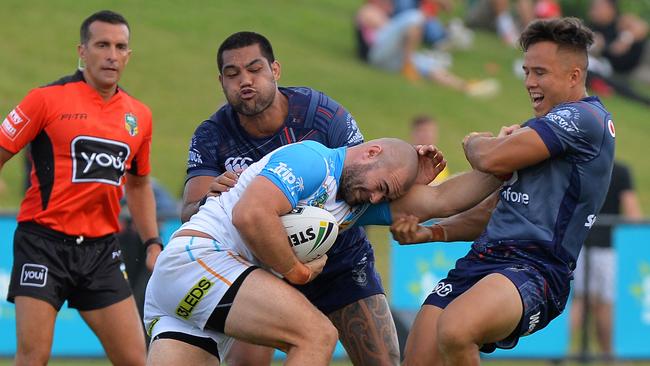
[(419, 42)]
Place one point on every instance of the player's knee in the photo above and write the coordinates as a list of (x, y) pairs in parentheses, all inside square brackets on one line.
[(327, 335), (451, 337), (129, 356), (321, 333), (26, 355)]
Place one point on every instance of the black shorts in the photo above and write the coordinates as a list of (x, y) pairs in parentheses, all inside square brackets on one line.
[(53, 267)]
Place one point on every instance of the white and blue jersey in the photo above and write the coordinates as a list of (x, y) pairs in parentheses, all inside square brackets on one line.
[(221, 144), (307, 173)]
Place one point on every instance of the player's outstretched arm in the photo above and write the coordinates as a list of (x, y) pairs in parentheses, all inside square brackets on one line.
[(257, 218), (452, 196), (465, 226)]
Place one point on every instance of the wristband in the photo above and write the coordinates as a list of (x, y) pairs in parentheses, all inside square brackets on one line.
[(151, 241), (299, 274), (438, 232)]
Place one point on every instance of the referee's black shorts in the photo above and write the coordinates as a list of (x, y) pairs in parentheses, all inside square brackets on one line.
[(55, 267)]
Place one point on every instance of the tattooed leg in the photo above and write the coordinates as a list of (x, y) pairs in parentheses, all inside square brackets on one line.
[(367, 331)]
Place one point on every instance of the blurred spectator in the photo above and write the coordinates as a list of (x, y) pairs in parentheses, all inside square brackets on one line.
[(621, 39), (424, 131), (621, 200), (496, 15), (392, 44), (435, 33)]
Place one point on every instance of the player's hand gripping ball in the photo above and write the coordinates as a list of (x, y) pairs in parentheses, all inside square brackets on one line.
[(311, 231)]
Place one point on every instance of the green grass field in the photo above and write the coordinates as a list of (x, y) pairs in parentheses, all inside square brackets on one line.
[(173, 70)]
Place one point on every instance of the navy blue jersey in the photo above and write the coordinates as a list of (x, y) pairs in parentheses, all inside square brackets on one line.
[(552, 205), (220, 143)]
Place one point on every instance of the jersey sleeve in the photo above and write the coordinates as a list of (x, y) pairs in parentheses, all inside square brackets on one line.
[(343, 130), (24, 122), (141, 163), (297, 170), (378, 214), (202, 156), (571, 131)]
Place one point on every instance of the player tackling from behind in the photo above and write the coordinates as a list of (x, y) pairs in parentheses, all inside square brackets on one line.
[(516, 277), (208, 289)]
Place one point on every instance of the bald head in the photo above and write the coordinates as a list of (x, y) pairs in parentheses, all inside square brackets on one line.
[(399, 155), (378, 170)]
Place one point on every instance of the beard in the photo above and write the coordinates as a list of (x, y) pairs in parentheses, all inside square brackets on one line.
[(352, 176), (255, 106)]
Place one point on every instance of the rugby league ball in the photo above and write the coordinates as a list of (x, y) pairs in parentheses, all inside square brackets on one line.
[(311, 231)]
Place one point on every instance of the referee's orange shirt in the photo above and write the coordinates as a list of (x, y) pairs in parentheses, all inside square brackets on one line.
[(81, 147)]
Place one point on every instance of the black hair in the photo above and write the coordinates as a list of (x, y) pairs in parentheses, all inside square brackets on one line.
[(245, 39), (568, 33), (105, 16)]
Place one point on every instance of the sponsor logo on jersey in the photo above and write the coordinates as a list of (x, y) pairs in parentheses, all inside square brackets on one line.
[(294, 184), (15, 122), (193, 297), (591, 220), (564, 119), (33, 275), (73, 116), (131, 124), (532, 322), (443, 289), (610, 128), (237, 164), (98, 160), (194, 159), (319, 199), (510, 195), (354, 135)]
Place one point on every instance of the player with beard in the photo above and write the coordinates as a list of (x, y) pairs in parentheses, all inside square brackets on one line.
[(207, 288), (258, 118)]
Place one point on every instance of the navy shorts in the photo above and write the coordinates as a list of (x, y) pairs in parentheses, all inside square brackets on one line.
[(544, 290), (349, 274), (51, 266)]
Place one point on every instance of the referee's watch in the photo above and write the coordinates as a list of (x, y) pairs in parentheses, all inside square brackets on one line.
[(152, 241)]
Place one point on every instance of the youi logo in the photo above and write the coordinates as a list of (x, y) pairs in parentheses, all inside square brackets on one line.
[(33, 275)]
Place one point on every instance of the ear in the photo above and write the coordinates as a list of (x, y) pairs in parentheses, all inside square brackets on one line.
[(373, 151), (128, 57), (276, 69), (576, 76), (81, 51)]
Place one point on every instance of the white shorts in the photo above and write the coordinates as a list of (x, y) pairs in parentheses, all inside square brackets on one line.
[(602, 274), (188, 283)]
